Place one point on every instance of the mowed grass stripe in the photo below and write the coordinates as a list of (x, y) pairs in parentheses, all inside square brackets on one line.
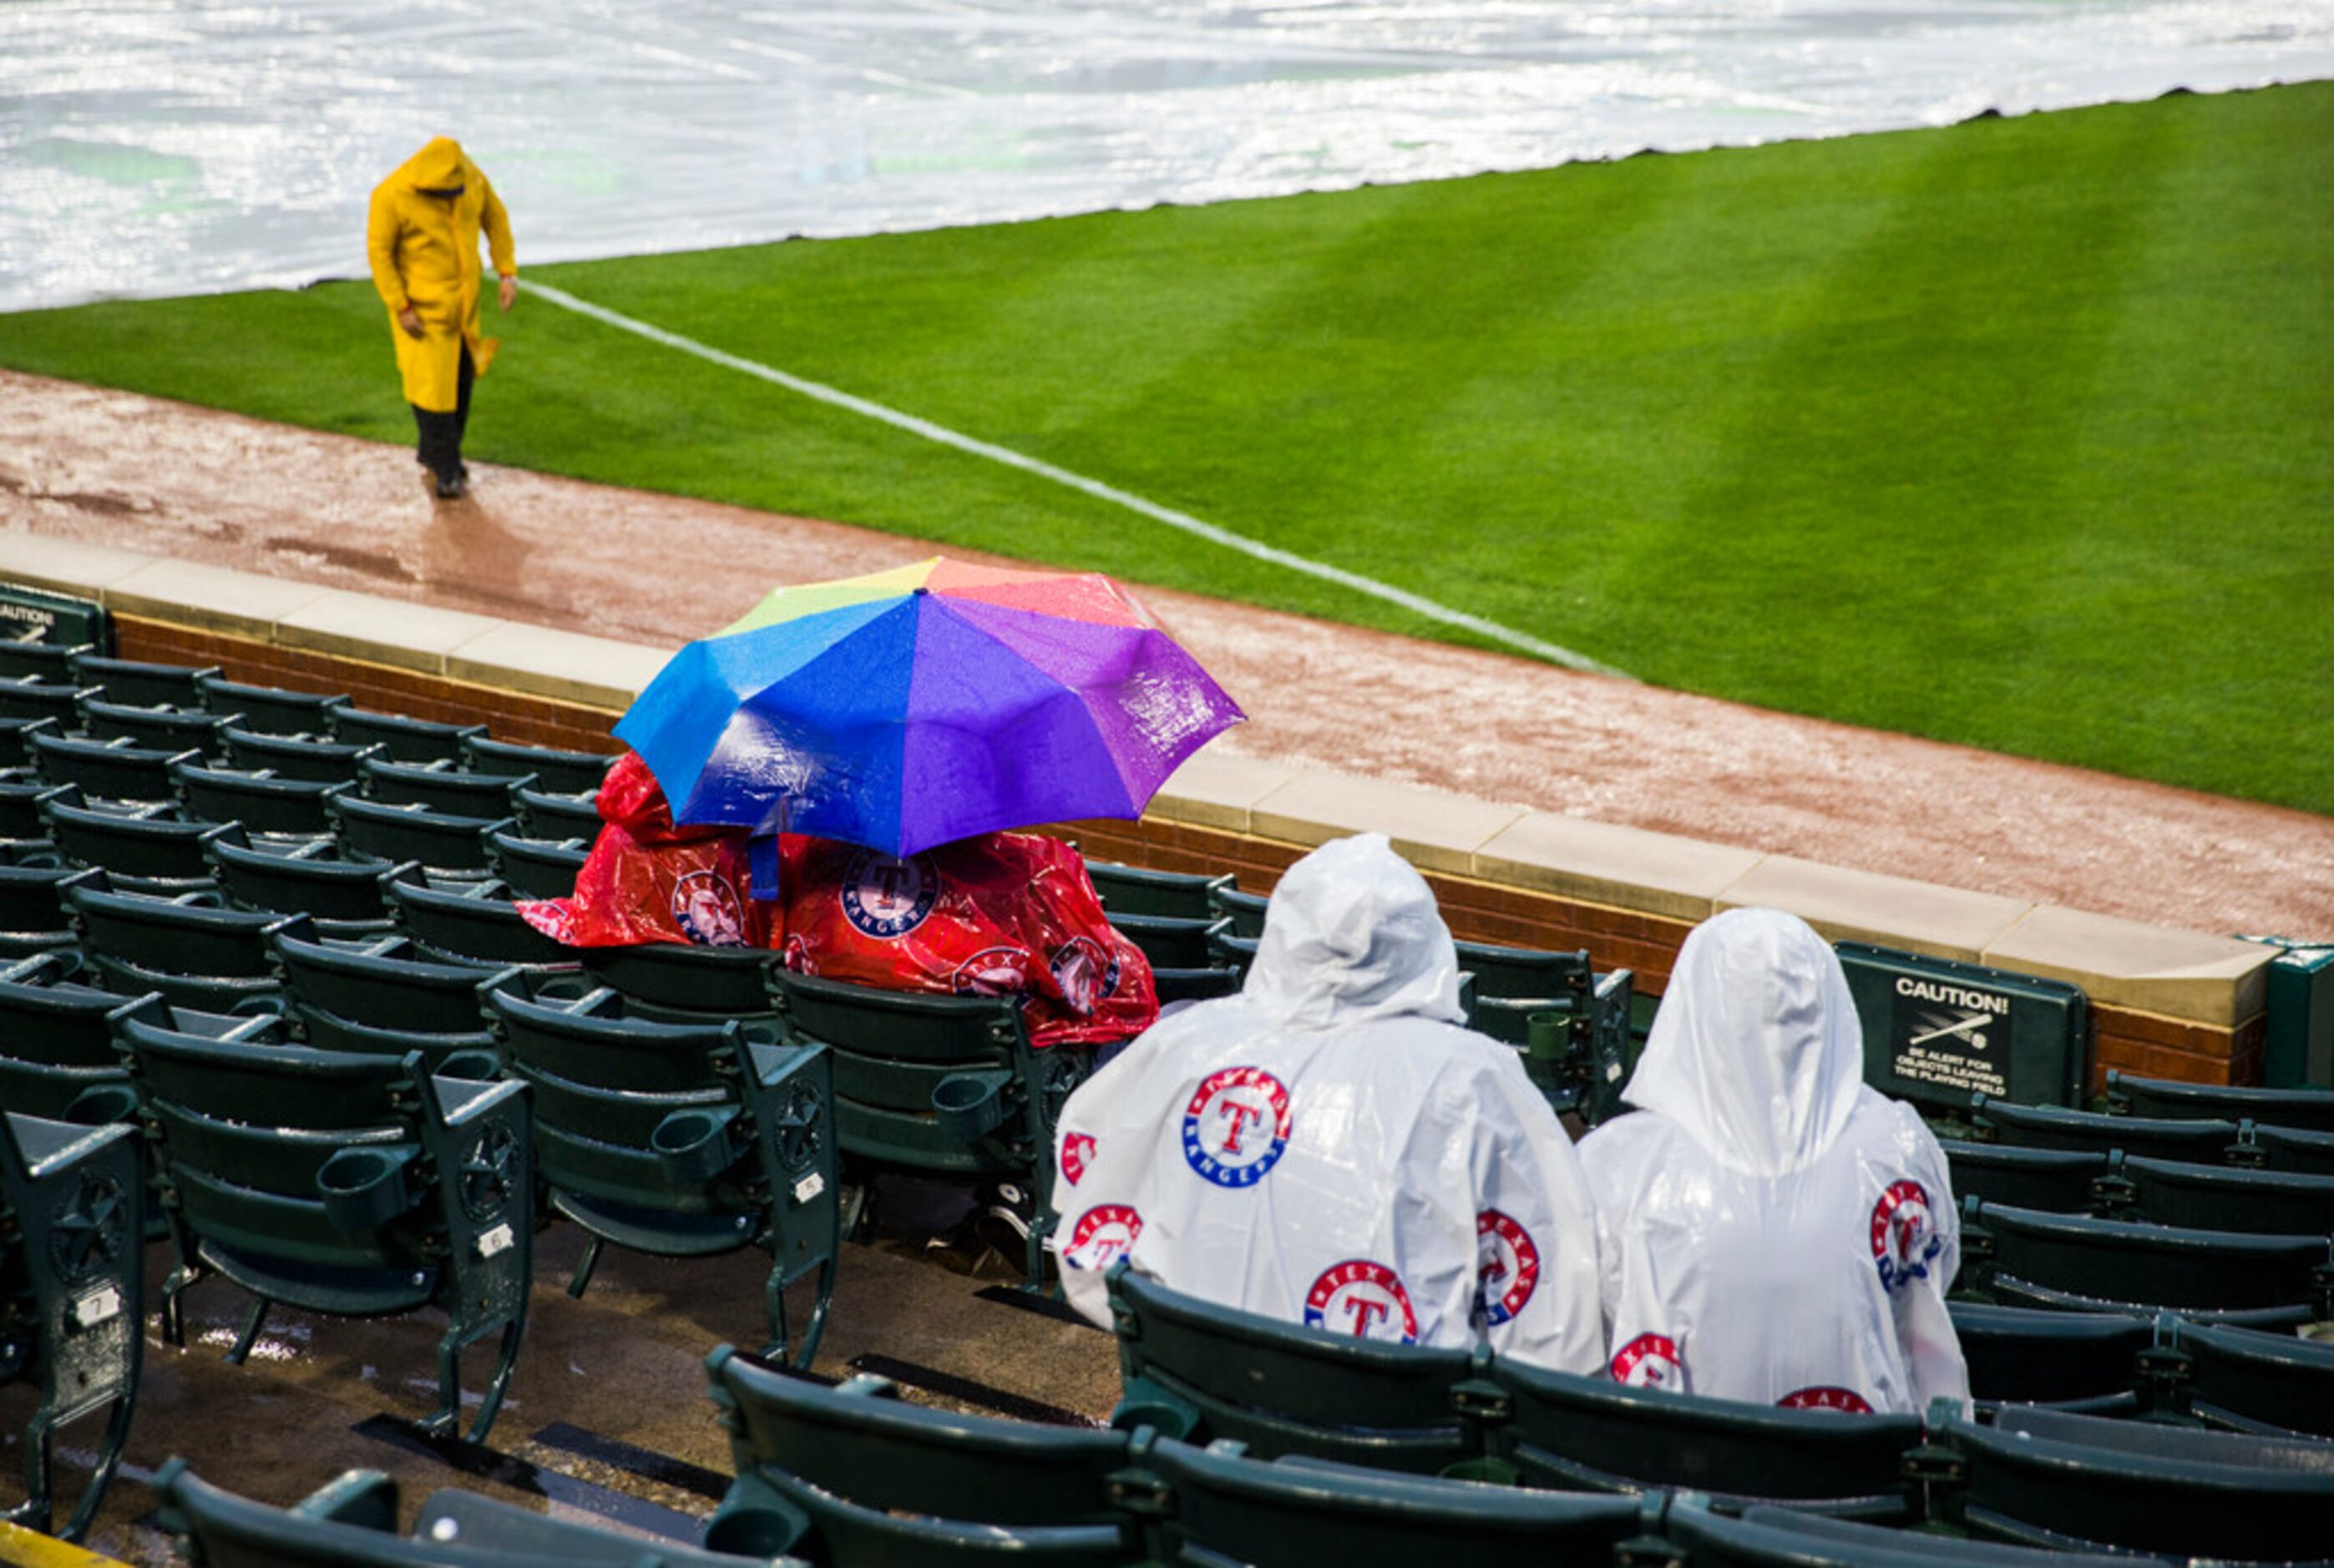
[(2013, 433)]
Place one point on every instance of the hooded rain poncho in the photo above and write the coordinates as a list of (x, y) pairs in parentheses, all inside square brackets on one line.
[(424, 253)]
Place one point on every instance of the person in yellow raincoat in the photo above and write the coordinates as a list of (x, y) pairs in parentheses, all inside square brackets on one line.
[(421, 237)]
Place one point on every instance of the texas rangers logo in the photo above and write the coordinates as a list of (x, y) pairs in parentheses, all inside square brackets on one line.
[(1904, 1237), (1087, 973), (1824, 1397), (1101, 1236), (1078, 1153), (705, 909), (1649, 1361), (1506, 1267), (992, 972), (795, 955), (884, 896), (1236, 1127), (1363, 1298)]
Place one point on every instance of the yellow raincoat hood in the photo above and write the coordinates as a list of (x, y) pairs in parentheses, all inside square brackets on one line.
[(423, 249), (441, 166)]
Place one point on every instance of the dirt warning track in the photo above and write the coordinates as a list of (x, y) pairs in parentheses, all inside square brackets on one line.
[(114, 468)]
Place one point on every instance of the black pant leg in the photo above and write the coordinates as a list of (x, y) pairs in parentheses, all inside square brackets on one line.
[(467, 374), (441, 444)]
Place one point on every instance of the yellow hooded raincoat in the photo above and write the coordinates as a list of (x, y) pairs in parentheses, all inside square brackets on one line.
[(424, 251)]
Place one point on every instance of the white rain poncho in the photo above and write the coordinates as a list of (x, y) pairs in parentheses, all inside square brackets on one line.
[(1329, 1147), (1769, 1227)]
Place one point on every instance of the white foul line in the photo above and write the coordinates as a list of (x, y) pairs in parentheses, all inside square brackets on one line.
[(1255, 550)]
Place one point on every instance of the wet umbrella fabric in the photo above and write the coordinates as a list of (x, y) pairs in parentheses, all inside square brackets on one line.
[(911, 707)]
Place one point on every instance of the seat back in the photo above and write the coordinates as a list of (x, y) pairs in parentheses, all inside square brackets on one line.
[(32, 914), (162, 853), (2059, 1180), (289, 756), (262, 711), (56, 1046), (20, 806), (342, 896), (167, 729), (1768, 1537), (550, 814), (2054, 1127), (1199, 1371), (1580, 1433), (389, 990), (1138, 891), (475, 925), (1244, 910), (683, 982), (2073, 1262), (401, 739), (537, 868), (403, 784), (29, 698), (2287, 1149), (2225, 1198), (2075, 1361), (110, 772), (439, 840), (262, 805), (214, 959), (225, 1531), (561, 771), (143, 683), (1170, 941), (48, 661), (2311, 1110), (2252, 1381)]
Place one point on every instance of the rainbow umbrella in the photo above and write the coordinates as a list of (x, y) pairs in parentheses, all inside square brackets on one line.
[(908, 707)]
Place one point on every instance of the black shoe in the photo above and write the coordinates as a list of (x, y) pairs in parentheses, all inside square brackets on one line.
[(452, 489)]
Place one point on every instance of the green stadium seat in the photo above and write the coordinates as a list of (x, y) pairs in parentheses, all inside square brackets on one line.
[(339, 997), (345, 899), (2222, 1197), (2061, 1181), (215, 960), (683, 984), (855, 1476), (1172, 986), (537, 868), (2072, 1263), (261, 802), (441, 789), (1244, 910), (155, 728), (2249, 1382), (50, 661), (153, 854), (290, 756), (32, 914), (2311, 1110), (20, 812), (265, 710), (1768, 1537), (682, 1140), (1137, 890), (2056, 1127), (473, 924), (27, 697), (1201, 1372), (1573, 1433), (16, 750), (1218, 1506), (561, 771), (2285, 1149), (143, 683), (2087, 1362), (942, 1085), (549, 814), (1169, 941), (2054, 1479), (1580, 1054), (401, 739), (107, 770), (57, 1058), (439, 840), (355, 1186), (1230, 951), (72, 1292)]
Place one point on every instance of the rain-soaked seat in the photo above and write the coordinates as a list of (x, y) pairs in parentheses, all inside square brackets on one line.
[(168, 729), (401, 738), (293, 757), (2059, 1180), (262, 802), (355, 1185), (2087, 1362), (855, 1475), (1768, 1537), (341, 997), (2249, 1381), (562, 772), (1244, 910), (57, 1057), (475, 924), (214, 959), (537, 868), (49, 661), (1201, 1372), (1575, 1046), (439, 840), (345, 897), (1139, 891), (441, 789), (1170, 941), (2285, 1149), (682, 1140), (30, 697), (2056, 1127), (72, 1282), (684, 984), (2072, 1263), (112, 771), (2223, 1196), (143, 683), (553, 814), (1172, 986), (141, 854), (32, 916), (2309, 1109), (266, 710), (943, 1085)]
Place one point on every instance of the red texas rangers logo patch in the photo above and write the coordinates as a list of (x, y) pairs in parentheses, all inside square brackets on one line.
[(1101, 1236), (705, 909), (1824, 1397), (1905, 1238), (1506, 1267), (1363, 1298), (1650, 1362), (1236, 1127), (1078, 1153), (884, 896)]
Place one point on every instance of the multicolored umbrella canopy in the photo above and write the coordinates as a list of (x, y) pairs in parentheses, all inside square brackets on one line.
[(908, 707)]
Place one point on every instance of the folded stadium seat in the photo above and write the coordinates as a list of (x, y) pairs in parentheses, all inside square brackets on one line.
[(28, 699), (537, 868), (141, 683), (2222, 1197), (441, 789), (440, 840), (2085, 1362), (855, 1475), (22, 832), (33, 915), (15, 751), (548, 814), (682, 1140), (2056, 1127), (684, 984), (1137, 890), (401, 739), (2275, 1385), (2285, 1149), (357, 1186), (1784, 1538), (472, 924), (941, 1085), (560, 772), (111, 770), (1226, 950), (154, 728), (290, 756), (1170, 985), (268, 711), (262, 802), (2059, 1180), (49, 661), (1244, 910), (150, 854), (1218, 1506), (346, 898), (57, 1058), (71, 1213), (215, 960), (1202, 1372), (352, 1523), (389, 999), (2071, 1262), (1573, 1433), (1168, 941), (2049, 1478), (2310, 1109)]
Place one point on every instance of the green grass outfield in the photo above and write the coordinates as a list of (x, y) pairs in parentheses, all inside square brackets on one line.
[(2018, 433)]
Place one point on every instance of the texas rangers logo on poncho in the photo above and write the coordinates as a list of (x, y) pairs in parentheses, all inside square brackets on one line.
[(705, 909), (1363, 1298), (1236, 1127), (1507, 1266), (1086, 974), (1649, 1361), (884, 896), (992, 972), (1078, 1153), (1102, 1235), (1825, 1397), (1905, 1238)]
